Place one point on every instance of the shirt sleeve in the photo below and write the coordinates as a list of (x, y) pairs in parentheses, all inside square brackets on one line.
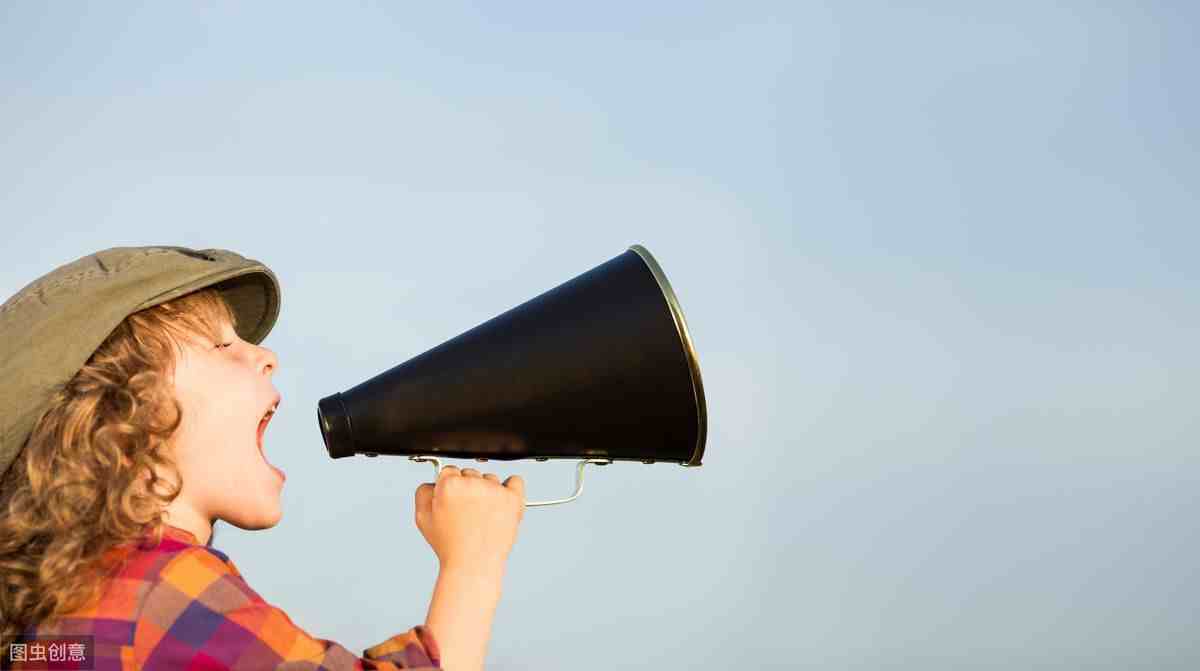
[(201, 614)]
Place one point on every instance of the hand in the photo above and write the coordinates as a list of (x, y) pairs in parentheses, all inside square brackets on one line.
[(470, 520)]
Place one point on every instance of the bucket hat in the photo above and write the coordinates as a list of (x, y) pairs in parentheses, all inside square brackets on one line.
[(51, 327)]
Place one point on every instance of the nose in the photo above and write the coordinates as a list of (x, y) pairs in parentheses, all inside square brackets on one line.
[(268, 362)]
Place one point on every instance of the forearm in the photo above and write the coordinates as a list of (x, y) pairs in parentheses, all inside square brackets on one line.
[(460, 614)]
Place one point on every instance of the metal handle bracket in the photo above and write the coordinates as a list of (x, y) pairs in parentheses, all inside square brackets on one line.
[(437, 469)]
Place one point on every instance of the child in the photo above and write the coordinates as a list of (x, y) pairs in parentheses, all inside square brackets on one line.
[(133, 389)]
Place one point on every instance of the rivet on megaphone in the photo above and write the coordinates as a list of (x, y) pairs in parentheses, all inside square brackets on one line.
[(541, 458), (480, 458), (647, 461), (371, 454)]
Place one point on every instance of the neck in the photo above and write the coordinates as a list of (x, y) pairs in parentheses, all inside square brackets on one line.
[(188, 519)]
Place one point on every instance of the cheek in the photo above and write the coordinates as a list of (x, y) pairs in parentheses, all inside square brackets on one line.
[(213, 447), (219, 417)]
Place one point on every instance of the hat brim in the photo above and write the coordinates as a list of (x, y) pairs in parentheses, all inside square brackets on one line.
[(251, 290), (254, 298)]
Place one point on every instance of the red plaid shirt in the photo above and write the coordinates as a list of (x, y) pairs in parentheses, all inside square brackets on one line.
[(182, 605)]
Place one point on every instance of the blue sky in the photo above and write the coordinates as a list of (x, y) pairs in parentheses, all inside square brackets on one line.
[(937, 261)]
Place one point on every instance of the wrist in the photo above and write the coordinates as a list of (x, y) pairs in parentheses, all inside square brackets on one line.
[(473, 570)]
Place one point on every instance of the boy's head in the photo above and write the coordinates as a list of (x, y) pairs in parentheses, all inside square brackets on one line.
[(169, 411), (133, 386)]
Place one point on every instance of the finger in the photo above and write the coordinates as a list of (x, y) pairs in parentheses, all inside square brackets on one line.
[(470, 472), (517, 484), (448, 471), (424, 497), (491, 476)]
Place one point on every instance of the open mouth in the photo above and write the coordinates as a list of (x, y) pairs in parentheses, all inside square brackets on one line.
[(262, 430)]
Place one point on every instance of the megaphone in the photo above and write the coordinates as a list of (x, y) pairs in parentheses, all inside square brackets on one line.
[(600, 368)]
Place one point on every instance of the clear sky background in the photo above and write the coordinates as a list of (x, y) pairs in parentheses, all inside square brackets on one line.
[(939, 263)]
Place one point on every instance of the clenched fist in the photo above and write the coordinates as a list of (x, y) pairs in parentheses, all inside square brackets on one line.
[(470, 519)]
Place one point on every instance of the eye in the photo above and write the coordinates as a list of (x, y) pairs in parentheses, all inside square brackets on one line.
[(227, 344)]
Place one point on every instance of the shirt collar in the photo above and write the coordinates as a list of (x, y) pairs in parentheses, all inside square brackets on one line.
[(170, 531)]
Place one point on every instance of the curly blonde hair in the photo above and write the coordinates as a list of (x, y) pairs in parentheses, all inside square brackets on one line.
[(88, 478)]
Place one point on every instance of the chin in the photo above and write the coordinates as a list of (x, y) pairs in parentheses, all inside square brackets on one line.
[(255, 522)]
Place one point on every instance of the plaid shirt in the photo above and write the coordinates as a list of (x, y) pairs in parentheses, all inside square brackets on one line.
[(182, 605)]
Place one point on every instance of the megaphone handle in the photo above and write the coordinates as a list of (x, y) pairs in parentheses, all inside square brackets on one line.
[(437, 469)]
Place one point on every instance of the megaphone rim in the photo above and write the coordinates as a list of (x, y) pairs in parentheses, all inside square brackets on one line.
[(689, 348)]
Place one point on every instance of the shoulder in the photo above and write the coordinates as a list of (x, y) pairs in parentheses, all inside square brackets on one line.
[(148, 563), (200, 611), (150, 587), (201, 574)]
